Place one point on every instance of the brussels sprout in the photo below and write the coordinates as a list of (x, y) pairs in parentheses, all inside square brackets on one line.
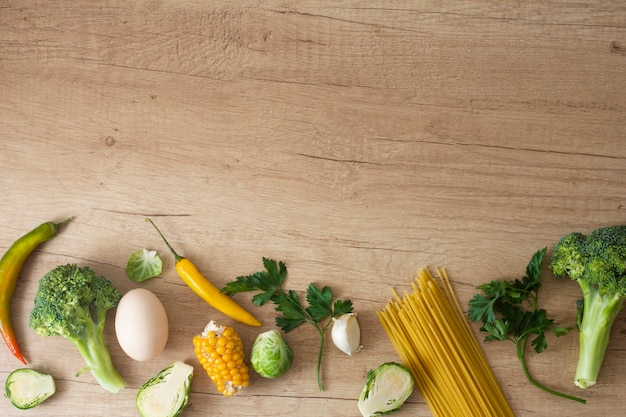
[(386, 389), (167, 393), (27, 388), (271, 357)]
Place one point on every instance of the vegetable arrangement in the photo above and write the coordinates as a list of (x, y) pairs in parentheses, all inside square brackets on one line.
[(319, 313), (72, 302)]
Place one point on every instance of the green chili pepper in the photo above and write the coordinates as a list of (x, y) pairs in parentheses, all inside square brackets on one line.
[(11, 266)]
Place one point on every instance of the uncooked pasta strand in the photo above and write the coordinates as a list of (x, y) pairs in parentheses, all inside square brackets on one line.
[(429, 331)]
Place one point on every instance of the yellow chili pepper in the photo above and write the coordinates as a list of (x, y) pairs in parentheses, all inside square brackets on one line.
[(206, 290)]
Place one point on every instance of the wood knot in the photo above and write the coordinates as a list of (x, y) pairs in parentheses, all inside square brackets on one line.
[(109, 141), (617, 48)]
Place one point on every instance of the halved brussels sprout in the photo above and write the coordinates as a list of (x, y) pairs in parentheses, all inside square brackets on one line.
[(271, 357), (386, 389), (27, 388), (143, 264), (167, 393)]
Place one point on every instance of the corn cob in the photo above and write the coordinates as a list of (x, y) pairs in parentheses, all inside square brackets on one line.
[(220, 352)]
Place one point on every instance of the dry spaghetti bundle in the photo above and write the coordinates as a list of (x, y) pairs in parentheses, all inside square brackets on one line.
[(434, 340)]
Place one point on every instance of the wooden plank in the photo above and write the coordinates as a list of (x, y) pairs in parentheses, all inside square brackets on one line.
[(355, 141)]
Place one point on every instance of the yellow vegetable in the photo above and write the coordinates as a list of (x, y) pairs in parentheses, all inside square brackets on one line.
[(206, 290), (220, 352)]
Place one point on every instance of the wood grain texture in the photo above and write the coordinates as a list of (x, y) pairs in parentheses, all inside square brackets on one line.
[(356, 141)]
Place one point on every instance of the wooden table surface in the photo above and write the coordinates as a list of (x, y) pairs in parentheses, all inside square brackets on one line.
[(355, 141)]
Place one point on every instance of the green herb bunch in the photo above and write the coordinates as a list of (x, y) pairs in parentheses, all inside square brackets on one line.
[(509, 311), (320, 310)]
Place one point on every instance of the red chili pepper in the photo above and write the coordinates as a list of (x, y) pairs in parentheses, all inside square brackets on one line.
[(11, 266)]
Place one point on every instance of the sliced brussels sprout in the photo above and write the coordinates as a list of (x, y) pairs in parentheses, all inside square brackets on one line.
[(271, 357), (167, 393), (386, 389), (27, 388)]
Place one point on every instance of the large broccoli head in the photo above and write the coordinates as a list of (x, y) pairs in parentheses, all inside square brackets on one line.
[(69, 299), (598, 263), (72, 302), (598, 259)]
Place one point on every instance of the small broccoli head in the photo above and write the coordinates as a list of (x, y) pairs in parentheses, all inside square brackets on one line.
[(106, 296), (569, 256), (69, 299), (72, 302)]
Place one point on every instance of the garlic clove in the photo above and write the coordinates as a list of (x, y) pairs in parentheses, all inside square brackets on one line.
[(346, 333)]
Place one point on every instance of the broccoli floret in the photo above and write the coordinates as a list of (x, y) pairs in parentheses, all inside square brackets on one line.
[(598, 263), (72, 302)]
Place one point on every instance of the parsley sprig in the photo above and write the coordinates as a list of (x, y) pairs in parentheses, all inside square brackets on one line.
[(319, 312), (509, 311)]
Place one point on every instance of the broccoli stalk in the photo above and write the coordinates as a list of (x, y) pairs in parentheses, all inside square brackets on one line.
[(597, 262), (599, 315), (96, 354), (72, 302)]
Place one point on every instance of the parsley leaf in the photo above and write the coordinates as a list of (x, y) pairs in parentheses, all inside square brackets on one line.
[(508, 311), (342, 307), (319, 302), (319, 312)]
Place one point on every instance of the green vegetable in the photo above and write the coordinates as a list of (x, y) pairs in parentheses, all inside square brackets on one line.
[(11, 265), (167, 393), (271, 356), (319, 312), (509, 311), (72, 302), (27, 388), (386, 389), (598, 263), (143, 264)]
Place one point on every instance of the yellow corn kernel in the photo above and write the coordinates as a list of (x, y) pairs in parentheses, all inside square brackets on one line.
[(220, 352)]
